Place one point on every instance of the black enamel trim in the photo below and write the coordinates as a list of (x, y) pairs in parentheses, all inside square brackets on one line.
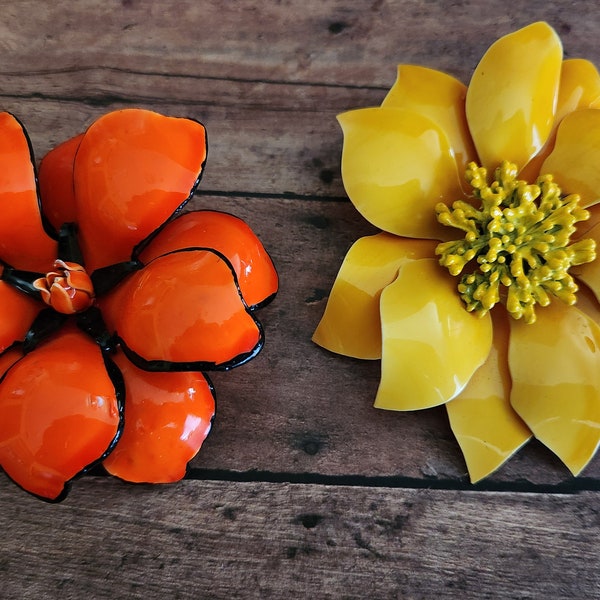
[(266, 301), (106, 278), (48, 228), (92, 323), (141, 246), (115, 375), (118, 382), (164, 365), (47, 322), (169, 366), (22, 281), (68, 246), (13, 346)]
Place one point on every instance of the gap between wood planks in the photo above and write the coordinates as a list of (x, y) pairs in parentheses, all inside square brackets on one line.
[(568, 487), (571, 486), (201, 193)]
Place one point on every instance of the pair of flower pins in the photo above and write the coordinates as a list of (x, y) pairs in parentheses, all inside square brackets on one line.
[(116, 302)]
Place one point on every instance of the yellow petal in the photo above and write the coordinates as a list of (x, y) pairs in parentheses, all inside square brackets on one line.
[(579, 88), (589, 273), (576, 155), (555, 367), (351, 324), (431, 344), (588, 303), (439, 97), (487, 428), (396, 166), (512, 95)]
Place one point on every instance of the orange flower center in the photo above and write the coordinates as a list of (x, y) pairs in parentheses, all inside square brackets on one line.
[(68, 289)]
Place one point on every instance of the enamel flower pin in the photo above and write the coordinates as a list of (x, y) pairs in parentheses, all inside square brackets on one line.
[(115, 302), (481, 292)]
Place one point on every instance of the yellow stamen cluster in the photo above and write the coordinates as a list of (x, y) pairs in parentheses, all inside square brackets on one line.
[(516, 243)]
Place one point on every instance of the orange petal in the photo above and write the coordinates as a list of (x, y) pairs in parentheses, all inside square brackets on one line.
[(484, 423), (184, 307), (24, 243), (59, 413), (351, 324), (17, 313), (8, 358), (439, 97), (167, 417), (512, 95), (228, 235), (55, 176), (133, 170)]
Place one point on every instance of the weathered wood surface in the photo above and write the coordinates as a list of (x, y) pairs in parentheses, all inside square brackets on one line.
[(255, 540), (273, 505)]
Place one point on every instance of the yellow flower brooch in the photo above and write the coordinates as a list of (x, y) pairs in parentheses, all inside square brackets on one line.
[(482, 291)]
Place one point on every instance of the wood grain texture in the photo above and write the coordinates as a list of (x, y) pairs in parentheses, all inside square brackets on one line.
[(203, 539), (302, 490)]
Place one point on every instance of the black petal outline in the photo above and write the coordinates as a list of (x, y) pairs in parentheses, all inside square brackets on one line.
[(21, 280), (47, 226), (145, 243), (213, 393), (114, 374), (47, 322), (141, 245), (106, 278), (166, 365)]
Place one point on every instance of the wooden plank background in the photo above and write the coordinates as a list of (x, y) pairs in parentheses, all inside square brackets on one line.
[(302, 490)]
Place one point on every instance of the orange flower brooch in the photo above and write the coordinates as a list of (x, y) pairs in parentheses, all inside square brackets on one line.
[(115, 302)]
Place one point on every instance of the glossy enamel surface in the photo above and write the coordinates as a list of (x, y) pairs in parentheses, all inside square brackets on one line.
[(8, 358), (524, 105), (67, 289), (55, 176), (576, 155), (482, 419), (425, 360), (397, 165), (184, 307), (58, 414), (18, 312), (512, 95), (351, 324), (228, 235), (589, 273), (579, 88), (440, 98), (24, 244), (167, 417), (177, 295), (133, 169), (555, 368)]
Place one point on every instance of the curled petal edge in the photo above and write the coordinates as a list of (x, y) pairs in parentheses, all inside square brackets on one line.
[(351, 324), (424, 322), (122, 313)]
